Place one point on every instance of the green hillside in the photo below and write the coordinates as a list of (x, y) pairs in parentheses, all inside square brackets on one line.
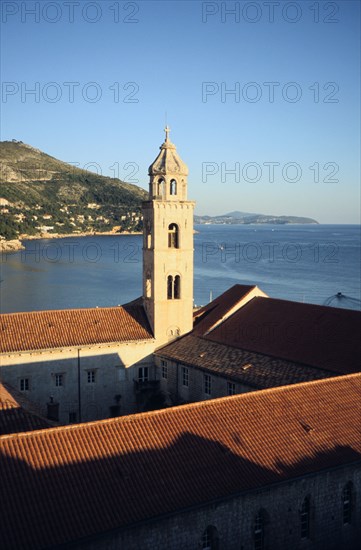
[(40, 194)]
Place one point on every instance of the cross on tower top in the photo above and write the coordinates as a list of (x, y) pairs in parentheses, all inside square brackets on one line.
[(167, 130)]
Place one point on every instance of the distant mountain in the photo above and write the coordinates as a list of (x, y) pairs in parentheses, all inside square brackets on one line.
[(239, 215), (41, 194), (236, 217)]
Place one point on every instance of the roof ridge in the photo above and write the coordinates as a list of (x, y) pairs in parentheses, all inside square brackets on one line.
[(308, 304), (199, 404), (66, 309), (80, 346)]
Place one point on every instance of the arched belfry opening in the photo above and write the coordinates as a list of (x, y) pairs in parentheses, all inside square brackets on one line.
[(160, 186), (168, 245), (173, 187)]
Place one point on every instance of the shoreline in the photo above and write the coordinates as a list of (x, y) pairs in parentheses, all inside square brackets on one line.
[(14, 245)]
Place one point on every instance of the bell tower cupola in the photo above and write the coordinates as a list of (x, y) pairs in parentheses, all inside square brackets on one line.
[(168, 173), (168, 246)]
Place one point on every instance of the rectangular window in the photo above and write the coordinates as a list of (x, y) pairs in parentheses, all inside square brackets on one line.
[(121, 373), (59, 379), (207, 384), (231, 388), (305, 519), (143, 374), (164, 369), (346, 512), (91, 376), (185, 376), (259, 533), (72, 417), (24, 384), (347, 503)]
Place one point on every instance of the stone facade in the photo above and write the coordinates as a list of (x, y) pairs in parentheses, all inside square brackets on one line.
[(102, 376), (186, 384), (236, 526), (168, 247)]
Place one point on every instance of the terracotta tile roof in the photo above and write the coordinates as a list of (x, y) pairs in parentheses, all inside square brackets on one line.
[(246, 367), (320, 336), (18, 414), (72, 327), (213, 312), (68, 483)]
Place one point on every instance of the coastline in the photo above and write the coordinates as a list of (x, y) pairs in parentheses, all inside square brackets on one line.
[(14, 245), (11, 246)]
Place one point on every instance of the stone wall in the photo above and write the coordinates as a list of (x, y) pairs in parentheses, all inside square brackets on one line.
[(234, 520), (115, 367), (176, 391)]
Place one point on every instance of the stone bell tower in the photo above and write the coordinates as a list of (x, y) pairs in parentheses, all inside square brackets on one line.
[(168, 246)]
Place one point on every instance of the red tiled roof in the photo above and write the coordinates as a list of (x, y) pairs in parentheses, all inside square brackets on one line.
[(17, 414), (68, 483), (72, 327), (213, 312), (246, 367), (320, 336)]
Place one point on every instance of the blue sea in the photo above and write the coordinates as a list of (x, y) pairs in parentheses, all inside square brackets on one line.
[(318, 264)]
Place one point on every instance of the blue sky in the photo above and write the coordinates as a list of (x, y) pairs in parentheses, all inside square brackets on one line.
[(105, 73)]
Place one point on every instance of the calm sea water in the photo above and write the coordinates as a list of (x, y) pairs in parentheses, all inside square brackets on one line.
[(297, 262)]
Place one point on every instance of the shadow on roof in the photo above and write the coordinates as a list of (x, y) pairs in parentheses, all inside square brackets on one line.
[(90, 496), (18, 414)]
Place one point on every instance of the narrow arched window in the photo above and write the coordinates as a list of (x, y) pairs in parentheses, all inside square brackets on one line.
[(347, 503), (210, 538), (259, 531), (173, 236), (173, 287), (148, 235), (177, 287), (160, 185), (148, 286), (169, 287), (305, 518), (173, 187)]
